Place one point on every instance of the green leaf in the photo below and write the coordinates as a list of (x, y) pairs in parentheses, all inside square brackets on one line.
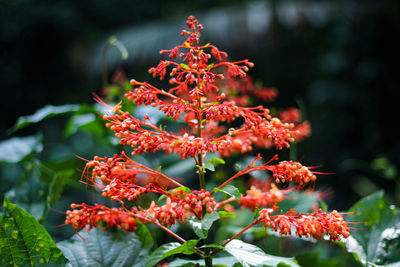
[(378, 242), (211, 163), (250, 255), (230, 190), (201, 227), (216, 161), (209, 166), (184, 188), (44, 113), (184, 66), (23, 241), (226, 214), (170, 249), (213, 246), (18, 149), (87, 122), (217, 261), (144, 235), (100, 248), (40, 190)]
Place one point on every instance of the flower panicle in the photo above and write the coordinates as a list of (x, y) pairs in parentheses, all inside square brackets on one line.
[(83, 216), (257, 198), (179, 206), (287, 171), (316, 224)]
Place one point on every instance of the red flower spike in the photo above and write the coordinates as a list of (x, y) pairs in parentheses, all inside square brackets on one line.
[(91, 216), (179, 205), (255, 198), (316, 224), (287, 171)]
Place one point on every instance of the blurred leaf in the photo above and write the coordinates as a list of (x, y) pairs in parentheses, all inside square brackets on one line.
[(40, 190), (121, 48), (23, 241), (18, 149), (170, 249), (383, 165), (300, 201), (44, 113), (250, 255), (87, 122), (99, 248), (230, 190), (201, 227), (226, 214), (378, 242), (216, 161), (179, 167)]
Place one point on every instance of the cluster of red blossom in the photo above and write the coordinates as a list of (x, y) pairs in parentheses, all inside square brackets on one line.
[(198, 94), (315, 224)]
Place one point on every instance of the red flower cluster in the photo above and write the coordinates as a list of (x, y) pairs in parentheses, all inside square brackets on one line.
[(92, 216), (255, 198), (179, 206), (315, 224), (207, 108), (287, 171)]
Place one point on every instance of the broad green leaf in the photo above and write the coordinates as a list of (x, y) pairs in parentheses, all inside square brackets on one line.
[(250, 255), (201, 227), (100, 248), (144, 235), (18, 149), (86, 122), (170, 249), (370, 209), (378, 240), (228, 261), (230, 190), (44, 113), (23, 241)]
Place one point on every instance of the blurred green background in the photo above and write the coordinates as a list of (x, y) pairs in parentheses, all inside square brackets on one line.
[(336, 60)]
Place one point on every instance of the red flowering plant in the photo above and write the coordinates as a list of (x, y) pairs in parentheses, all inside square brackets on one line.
[(197, 93)]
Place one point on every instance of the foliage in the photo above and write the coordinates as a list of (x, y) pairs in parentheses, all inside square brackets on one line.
[(23, 240), (99, 248)]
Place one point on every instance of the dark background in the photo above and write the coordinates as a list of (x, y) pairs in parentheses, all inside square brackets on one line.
[(338, 58)]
